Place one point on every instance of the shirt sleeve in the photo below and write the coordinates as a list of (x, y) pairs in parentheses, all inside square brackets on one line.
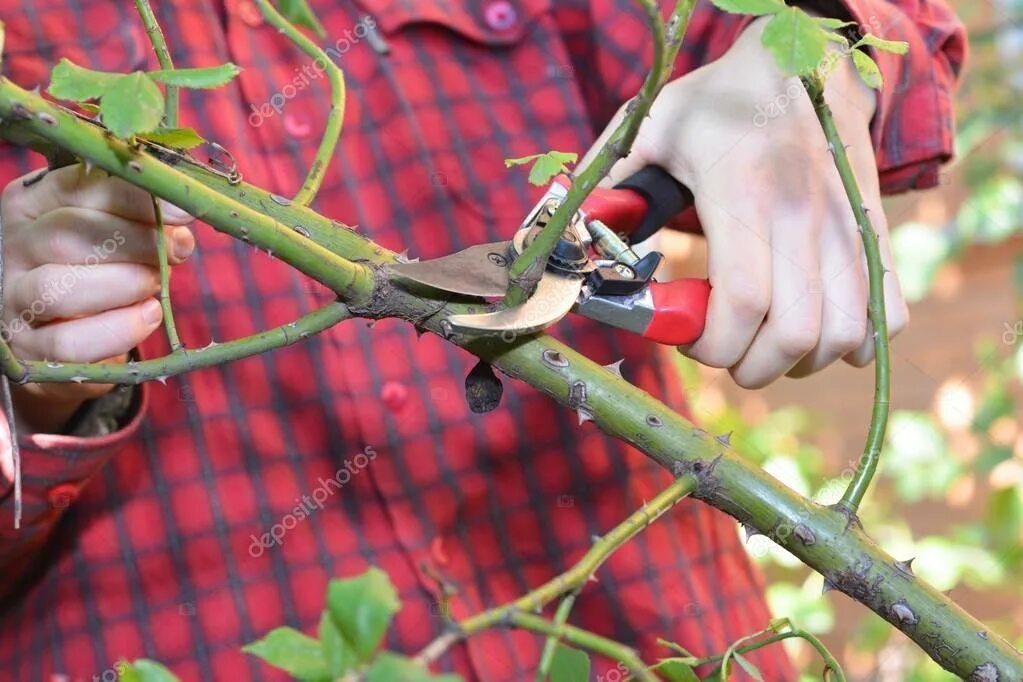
[(913, 129), (54, 470)]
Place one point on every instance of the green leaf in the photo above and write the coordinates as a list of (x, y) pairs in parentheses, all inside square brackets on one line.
[(76, 83), (754, 7), (299, 13), (132, 105), (144, 670), (833, 24), (894, 46), (544, 166), (337, 653), (675, 670), (388, 667), (750, 669), (175, 138), (867, 68), (205, 77), (295, 653), (362, 608), (797, 42), (569, 665)]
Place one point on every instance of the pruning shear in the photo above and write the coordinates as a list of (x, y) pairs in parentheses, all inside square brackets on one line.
[(592, 271)]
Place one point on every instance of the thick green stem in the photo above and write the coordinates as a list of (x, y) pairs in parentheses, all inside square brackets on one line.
[(163, 56), (335, 116), (867, 466), (527, 268), (165, 304)]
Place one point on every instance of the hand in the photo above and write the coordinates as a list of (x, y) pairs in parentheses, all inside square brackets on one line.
[(785, 258), (79, 278)]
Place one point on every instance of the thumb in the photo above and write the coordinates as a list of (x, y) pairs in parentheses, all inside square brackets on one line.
[(640, 156)]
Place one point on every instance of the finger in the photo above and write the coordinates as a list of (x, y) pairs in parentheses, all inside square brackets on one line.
[(93, 338), (793, 323), (739, 267), (53, 291), (87, 236), (24, 199), (844, 284)]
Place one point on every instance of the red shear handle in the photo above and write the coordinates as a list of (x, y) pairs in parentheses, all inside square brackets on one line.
[(680, 311)]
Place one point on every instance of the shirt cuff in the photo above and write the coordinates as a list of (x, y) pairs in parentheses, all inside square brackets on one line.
[(55, 468), (913, 128)]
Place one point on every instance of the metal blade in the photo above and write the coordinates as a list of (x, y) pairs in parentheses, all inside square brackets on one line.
[(554, 297), (479, 270)]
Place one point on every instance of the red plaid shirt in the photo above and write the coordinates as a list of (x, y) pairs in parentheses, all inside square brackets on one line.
[(356, 447)]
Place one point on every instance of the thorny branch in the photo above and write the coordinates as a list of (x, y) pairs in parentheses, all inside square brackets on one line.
[(356, 269)]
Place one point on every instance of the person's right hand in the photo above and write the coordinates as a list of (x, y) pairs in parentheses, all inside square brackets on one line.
[(80, 275)]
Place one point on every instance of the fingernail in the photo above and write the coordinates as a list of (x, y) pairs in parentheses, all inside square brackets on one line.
[(184, 244), (173, 213), (151, 312)]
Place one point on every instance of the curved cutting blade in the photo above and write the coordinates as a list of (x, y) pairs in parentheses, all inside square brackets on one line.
[(479, 270), (554, 297)]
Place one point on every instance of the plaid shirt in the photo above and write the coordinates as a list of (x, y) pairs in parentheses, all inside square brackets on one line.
[(235, 493)]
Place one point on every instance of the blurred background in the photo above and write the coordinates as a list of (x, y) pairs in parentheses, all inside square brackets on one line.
[(950, 492)]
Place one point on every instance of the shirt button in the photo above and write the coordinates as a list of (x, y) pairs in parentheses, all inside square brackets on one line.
[(297, 126), (394, 394), (249, 13), (500, 15), (62, 495)]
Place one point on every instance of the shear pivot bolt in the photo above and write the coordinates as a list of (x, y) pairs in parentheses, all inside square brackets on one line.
[(497, 259), (624, 270)]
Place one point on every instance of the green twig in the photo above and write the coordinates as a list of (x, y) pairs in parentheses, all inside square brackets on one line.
[(163, 56), (576, 577), (527, 268), (876, 272), (550, 645), (830, 663), (178, 362), (583, 639), (161, 254), (335, 116)]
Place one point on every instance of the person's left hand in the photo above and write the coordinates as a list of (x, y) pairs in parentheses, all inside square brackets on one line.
[(786, 263)]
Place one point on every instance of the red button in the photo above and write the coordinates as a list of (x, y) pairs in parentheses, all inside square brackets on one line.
[(250, 14), (394, 394), (500, 15), (62, 495)]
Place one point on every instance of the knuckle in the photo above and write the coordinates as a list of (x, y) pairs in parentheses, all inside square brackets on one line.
[(747, 297), (795, 341), (850, 334), (60, 345), (11, 200)]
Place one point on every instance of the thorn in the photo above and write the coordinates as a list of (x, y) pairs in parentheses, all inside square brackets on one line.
[(270, 253), (88, 166), (594, 539), (725, 438), (584, 416), (209, 345), (35, 90), (750, 532), (402, 257), (162, 380), (615, 367), (828, 587), (593, 578), (78, 380), (906, 566)]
